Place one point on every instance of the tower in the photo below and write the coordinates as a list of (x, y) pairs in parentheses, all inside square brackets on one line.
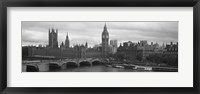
[(67, 41), (105, 39), (53, 38)]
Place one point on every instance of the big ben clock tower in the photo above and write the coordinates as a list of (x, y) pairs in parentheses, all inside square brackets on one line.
[(105, 39)]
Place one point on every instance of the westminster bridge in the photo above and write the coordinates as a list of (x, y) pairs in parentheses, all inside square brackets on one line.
[(47, 65)]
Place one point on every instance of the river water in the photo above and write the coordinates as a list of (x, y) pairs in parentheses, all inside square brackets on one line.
[(97, 68)]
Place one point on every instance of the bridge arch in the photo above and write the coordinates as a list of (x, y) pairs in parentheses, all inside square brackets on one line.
[(96, 62), (85, 63), (32, 68), (54, 66), (71, 65)]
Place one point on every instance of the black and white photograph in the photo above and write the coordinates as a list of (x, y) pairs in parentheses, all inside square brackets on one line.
[(99, 46)]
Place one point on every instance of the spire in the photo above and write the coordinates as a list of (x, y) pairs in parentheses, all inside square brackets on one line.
[(67, 36), (105, 27), (105, 31), (105, 34), (86, 44), (67, 41)]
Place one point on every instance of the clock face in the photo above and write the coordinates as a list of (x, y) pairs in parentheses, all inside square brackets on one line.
[(106, 36)]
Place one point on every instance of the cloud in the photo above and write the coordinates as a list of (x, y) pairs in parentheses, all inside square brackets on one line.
[(35, 32)]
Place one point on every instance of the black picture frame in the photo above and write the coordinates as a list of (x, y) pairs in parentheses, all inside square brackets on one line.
[(98, 3)]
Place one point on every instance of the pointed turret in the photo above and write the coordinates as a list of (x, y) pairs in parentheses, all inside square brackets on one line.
[(86, 44), (67, 41)]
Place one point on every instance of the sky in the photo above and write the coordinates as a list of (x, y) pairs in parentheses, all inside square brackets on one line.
[(36, 32)]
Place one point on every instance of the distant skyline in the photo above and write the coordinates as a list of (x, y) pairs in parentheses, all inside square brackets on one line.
[(36, 32)]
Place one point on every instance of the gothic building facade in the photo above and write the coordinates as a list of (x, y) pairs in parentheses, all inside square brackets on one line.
[(53, 38), (65, 51), (105, 40)]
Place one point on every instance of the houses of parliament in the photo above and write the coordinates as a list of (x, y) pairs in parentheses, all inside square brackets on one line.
[(67, 51)]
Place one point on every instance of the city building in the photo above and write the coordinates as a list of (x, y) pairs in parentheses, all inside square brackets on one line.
[(113, 43), (127, 44), (143, 43), (144, 49), (128, 49), (171, 49), (113, 46)]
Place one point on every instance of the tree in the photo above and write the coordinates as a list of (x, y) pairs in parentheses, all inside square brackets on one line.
[(170, 60)]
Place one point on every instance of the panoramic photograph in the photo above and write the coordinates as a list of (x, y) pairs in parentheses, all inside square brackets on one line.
[(99, 46)]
